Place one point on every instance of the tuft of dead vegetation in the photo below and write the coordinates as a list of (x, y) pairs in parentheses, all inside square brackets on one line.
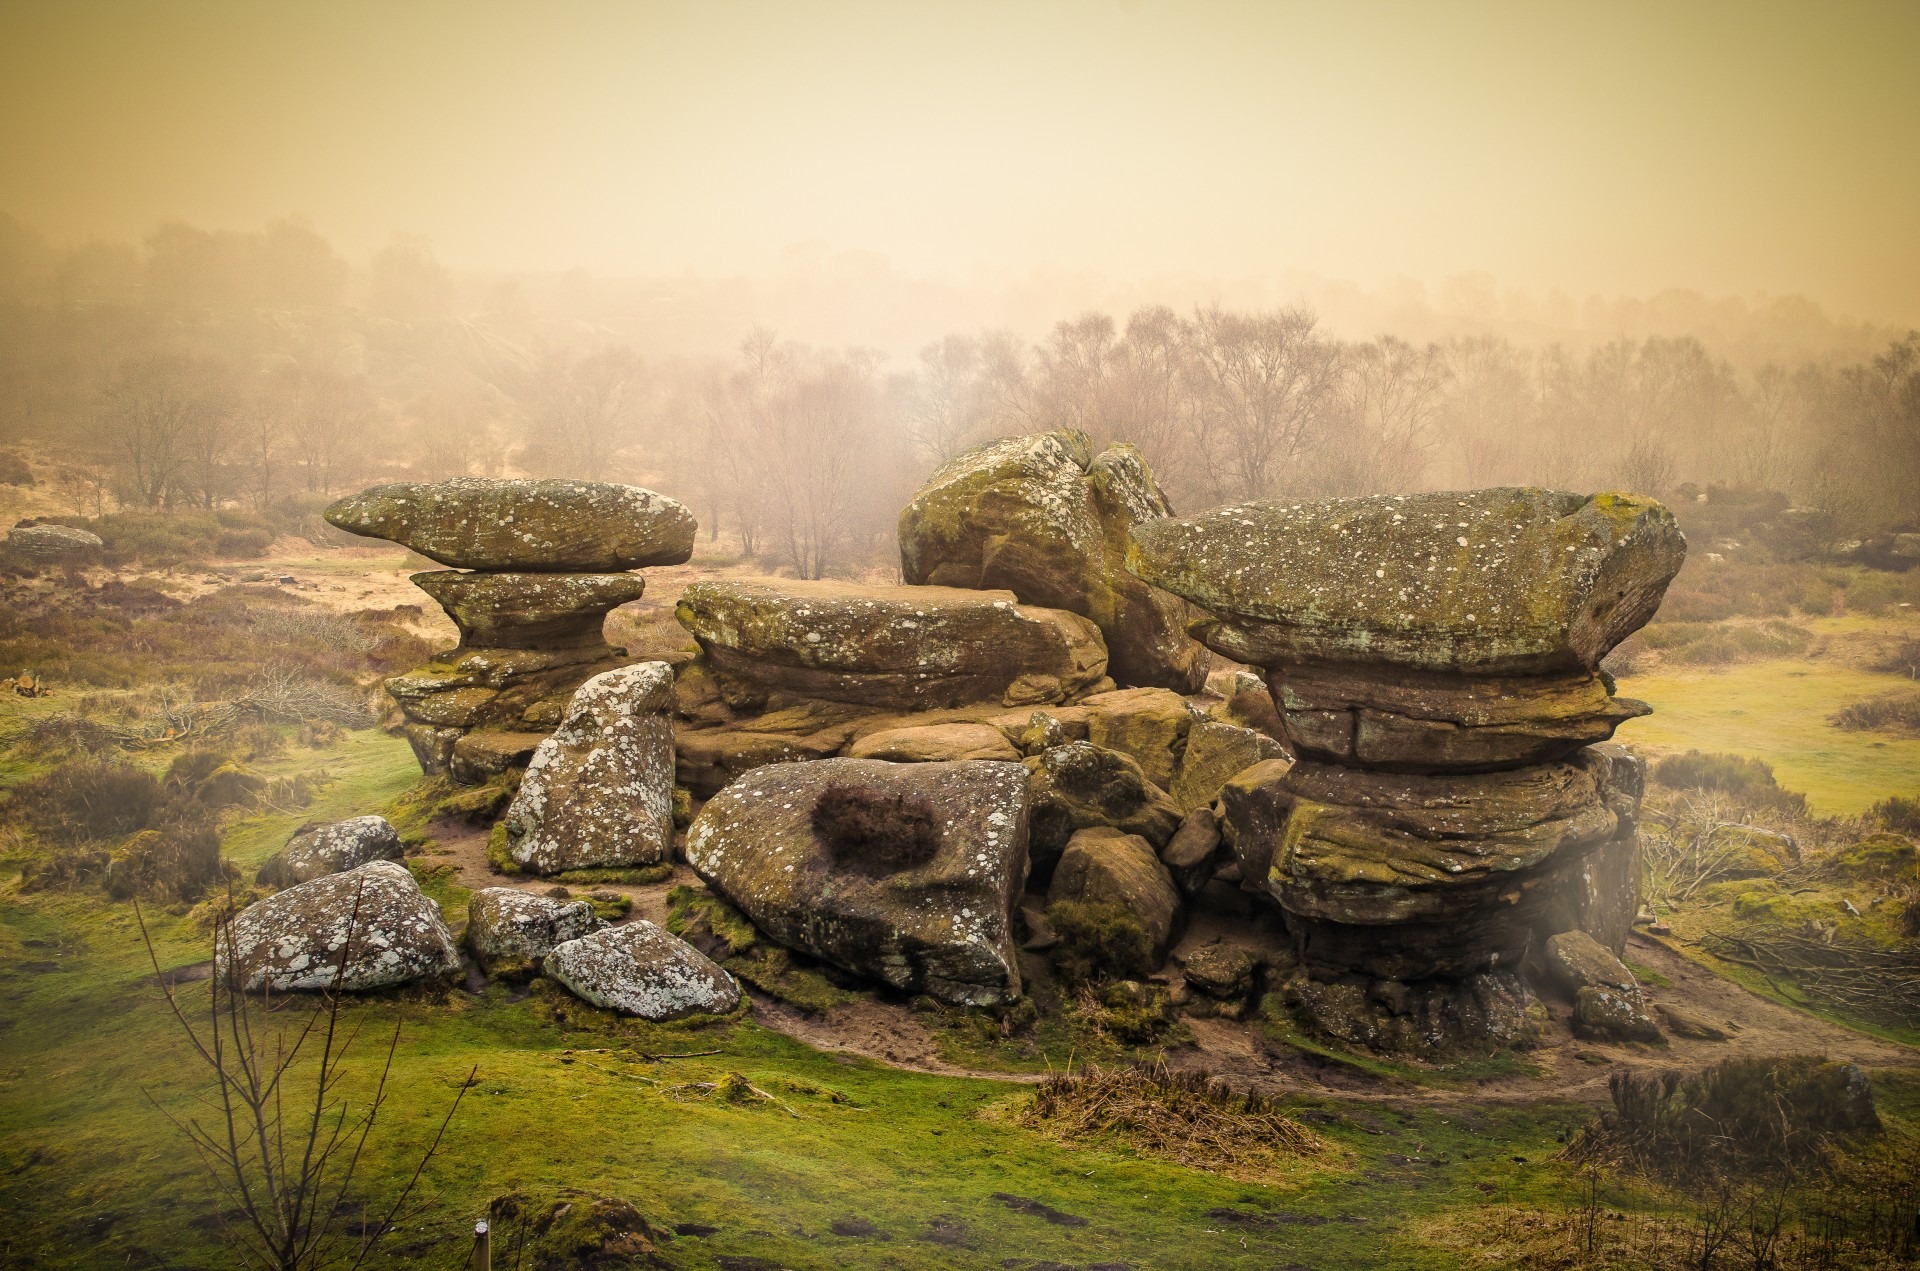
[(1888, 713), (878, 830), (1192, 1118)]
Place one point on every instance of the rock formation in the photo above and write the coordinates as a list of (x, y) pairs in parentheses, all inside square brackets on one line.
[(1435, 661), (321, 848), (546, 561), (1104, 866), (367, 928), (639, 969), (905, 872), (1044, 518), (599, 791), (510, 931), (51, 544)]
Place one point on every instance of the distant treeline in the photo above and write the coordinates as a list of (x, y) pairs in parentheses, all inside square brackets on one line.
[(207, 369)]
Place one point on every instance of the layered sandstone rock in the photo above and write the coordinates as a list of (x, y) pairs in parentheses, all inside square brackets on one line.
[(1044, 518)]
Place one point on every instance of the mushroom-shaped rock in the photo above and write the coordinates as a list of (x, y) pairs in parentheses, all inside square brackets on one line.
[(934, 743), (640, 969), (905, 648), (367, 928), (1103, 866), (1080, 785), (907, 872), (524, 524), (321, 848), (510, 930), (1043, 518), (54, 544), (529, 610), (600, 790)]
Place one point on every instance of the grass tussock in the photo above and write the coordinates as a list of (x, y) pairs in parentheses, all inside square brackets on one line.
[(1897, 713), (1191, 1118)]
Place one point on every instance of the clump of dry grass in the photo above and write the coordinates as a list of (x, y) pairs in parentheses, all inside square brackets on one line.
[(1192, 1118)]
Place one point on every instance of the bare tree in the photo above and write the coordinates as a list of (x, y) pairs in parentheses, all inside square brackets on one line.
[(1389, 397), (1261, 383), (149, 411)]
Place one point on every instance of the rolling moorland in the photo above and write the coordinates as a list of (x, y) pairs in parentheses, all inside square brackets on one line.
[(224, 668)]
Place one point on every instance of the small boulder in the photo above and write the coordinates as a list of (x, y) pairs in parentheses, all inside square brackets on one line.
[(935, 743), (1215, 754), (1577, 961), (1192, 855), (1080, 785), (54, 544), (1610, 1015), (523, 524), (367, 928), (1684, 1023), (321, 848), (907, 873), (1103, 866), (599, 792), (1222, 971), (640, 969), (1150, 724), (511, 931)]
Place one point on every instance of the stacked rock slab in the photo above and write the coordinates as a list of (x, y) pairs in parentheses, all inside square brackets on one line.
[(1435, 662), (1043, 517), (536, 566)]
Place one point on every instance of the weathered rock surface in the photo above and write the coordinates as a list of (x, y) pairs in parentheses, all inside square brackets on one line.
[(367, 928), (1103, 866), (1192, 855), (901, 648), (904, 872), (511, 931), (1610, 1015), (1041, 517), (1081, 786), (1501, 582), (528, 610), (640, 969), (599, 791), (935, 743), (1222, 970), (1430, 1018), (1215, 754), (54, 544), (524, 524), (318, 849), (1150, 724), (1577, 961)]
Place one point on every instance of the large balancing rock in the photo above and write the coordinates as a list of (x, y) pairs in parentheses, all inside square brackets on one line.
[(1430, 631), (524, 524), (1041, 517), (599, 791), (903, 648), (905, 872), (366, 928)]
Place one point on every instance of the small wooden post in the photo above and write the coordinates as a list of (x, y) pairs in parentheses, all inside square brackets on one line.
[(482, 1247)]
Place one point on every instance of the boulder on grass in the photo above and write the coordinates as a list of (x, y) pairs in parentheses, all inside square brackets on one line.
[(54, 544), (321, 848), (640, 969), (367, 928), (1103, 866), (510, 931), (905, 872), (599, 792)]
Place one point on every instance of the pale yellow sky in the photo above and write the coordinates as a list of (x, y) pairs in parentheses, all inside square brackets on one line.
[(1615, 148)]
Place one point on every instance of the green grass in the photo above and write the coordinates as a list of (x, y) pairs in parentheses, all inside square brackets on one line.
[(1778, 711)]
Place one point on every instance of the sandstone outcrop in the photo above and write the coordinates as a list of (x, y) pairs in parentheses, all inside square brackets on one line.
[(906, 873), (930, 743), (538, 565), (1044, 518), (640, 969), (1082, 786), (319, 849), (510, 931), (896, 648), (367, 928), (599, 791), (1435, 664)]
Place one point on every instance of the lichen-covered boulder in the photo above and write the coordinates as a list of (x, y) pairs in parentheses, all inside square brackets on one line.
[(1043, 518), (1103, 866), (1577, 961), (640, 969), (599, 792), (523, 524), (54, 544), (529, 610), (1515, 581), (320, 848), (1081, 786), (510, 931), (1604, 1014), (367, 928), (935, 743), (904, 872), (902, 648), (1150, 724)]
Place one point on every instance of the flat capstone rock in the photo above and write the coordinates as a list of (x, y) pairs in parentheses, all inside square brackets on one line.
[(640, 969)]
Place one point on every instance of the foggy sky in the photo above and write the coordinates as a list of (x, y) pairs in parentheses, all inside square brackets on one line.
[(1615, 148)]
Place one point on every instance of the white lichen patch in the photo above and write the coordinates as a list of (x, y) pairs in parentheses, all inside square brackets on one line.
[(367, 928), (639, 969)]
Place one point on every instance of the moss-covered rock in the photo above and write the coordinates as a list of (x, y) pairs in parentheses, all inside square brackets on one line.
[(1884, 856), (510, 931), (1215, 753), (1150, 724), (640, 969), (529, 610), (1080, 786), (1107, 867)]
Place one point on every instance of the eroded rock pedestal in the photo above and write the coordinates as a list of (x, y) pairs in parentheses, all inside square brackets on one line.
[(1435, 662), (538, 565)]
